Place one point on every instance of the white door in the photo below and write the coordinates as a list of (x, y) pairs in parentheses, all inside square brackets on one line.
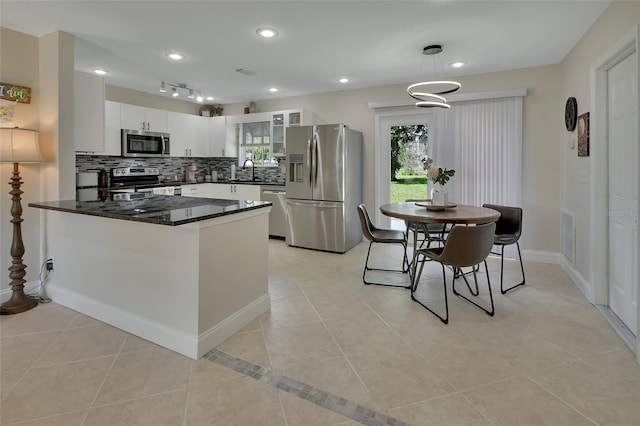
[(623, 191)]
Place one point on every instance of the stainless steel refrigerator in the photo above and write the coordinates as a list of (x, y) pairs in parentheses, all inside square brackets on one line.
[(323, 187)]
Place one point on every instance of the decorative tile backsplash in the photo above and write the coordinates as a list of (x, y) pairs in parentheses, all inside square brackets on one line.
[(174, 167)]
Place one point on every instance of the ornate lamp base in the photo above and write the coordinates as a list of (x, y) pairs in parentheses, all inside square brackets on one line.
[(19, 301)]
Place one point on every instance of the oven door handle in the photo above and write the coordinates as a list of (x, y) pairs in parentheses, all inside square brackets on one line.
[(144, 190)]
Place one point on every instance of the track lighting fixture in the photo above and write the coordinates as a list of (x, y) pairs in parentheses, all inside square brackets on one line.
[(192, 93)]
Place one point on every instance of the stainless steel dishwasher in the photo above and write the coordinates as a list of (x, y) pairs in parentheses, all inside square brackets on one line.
[(276, 195)]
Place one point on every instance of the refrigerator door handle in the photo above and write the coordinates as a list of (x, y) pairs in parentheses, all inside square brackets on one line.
[(324, 205), (315, 159), (310, 160)]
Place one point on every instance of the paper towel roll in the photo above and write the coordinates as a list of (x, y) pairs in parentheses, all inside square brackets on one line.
[(233, 172)]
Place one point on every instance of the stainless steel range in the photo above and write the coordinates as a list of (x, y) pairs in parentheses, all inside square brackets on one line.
[(140, 179), (134, 176)]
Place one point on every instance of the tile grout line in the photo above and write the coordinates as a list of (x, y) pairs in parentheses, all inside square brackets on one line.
[(335, 341), (540, 385), (104, 380), (306, 392), (186, 399)]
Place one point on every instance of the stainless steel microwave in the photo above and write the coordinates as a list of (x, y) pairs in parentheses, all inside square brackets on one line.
[(141, 143)]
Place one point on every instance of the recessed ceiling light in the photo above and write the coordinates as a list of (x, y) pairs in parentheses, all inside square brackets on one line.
[(457, 64), (100, 71), (209, 98), (344, 80), (267, 32), (273, 89), (175, 56)]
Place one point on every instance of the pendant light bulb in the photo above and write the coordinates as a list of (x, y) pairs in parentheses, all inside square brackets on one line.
[(191, 95), (163, 88), (174, 92)]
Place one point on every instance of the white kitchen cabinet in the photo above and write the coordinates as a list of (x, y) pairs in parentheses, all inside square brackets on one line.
[(89, 113), (247, 192), (199, 144), (278, 122), (233, 191), (198, 190), (189, 135), (140, 118), (112, 134), (217, 135)]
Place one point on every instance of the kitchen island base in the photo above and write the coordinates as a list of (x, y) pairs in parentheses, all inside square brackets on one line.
[(187, 287)]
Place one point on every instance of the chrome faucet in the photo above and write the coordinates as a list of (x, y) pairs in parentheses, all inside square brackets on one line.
[(253, 168)]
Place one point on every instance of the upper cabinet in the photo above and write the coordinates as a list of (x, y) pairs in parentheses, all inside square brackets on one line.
[(140, 118), (283, 119), (217, 136), (112, 135), (262, 136), (188, 135), (89, 112), (99, 123)]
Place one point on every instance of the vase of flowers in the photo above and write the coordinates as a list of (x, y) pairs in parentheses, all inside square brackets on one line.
[(439, 177)]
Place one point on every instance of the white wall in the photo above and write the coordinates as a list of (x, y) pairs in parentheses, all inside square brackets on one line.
[(575, 76), (133, 97)]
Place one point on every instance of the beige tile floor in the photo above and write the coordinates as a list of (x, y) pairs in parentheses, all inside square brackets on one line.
[(546, 358)]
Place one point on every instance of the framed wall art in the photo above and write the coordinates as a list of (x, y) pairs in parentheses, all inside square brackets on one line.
[(583, 135)]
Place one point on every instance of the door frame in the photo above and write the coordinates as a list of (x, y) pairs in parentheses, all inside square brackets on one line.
[(598, 161), (382, 155)]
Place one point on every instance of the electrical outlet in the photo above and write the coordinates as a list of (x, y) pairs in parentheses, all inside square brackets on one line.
[(49, 265)]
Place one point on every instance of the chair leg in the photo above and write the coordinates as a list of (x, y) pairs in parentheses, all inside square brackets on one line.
[(464, 277), (404, 269), (489, 312), (444, 319), (502, 290)]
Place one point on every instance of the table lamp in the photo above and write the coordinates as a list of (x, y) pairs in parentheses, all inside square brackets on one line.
[(18, 146)]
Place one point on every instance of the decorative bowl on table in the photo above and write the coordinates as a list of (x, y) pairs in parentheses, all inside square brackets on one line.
[(436, 207)]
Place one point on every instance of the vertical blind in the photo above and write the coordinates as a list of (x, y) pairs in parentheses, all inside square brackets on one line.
[(482, 141)]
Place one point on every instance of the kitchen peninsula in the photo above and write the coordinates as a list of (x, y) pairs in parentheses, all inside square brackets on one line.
[(184, 273)]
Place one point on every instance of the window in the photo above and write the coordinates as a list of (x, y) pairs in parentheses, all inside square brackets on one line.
[(255, 142)]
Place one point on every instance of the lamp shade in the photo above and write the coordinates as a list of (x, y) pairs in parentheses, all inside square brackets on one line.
[(19, 145)]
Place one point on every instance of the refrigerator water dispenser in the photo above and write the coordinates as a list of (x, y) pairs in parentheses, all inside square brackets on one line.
[(296, 162)]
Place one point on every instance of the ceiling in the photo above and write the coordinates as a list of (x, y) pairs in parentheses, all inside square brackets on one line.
[(373, 43)]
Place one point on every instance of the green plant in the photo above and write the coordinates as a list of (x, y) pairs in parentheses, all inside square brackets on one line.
[(440, 175)]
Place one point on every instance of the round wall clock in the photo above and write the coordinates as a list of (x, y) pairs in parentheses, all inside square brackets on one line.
[(571, 114)]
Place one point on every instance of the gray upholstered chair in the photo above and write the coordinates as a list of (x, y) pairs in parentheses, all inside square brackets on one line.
[(508, 230), (466, 246), (381, 236)]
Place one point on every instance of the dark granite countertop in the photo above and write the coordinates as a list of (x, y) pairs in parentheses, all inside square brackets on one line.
[(162, 184), (158, 209)]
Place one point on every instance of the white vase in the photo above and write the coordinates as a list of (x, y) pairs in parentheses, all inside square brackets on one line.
[(439, 196)]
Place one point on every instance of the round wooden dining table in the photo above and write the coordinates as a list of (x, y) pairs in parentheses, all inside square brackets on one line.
[(460, 214), (420, 216)]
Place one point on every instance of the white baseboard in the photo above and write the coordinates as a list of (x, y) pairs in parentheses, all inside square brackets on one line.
[(29, 288), (192, 346), (230, 325), (583, 285), (541, 256)]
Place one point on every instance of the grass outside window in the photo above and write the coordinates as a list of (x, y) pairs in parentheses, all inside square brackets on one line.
[(409, 187)]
